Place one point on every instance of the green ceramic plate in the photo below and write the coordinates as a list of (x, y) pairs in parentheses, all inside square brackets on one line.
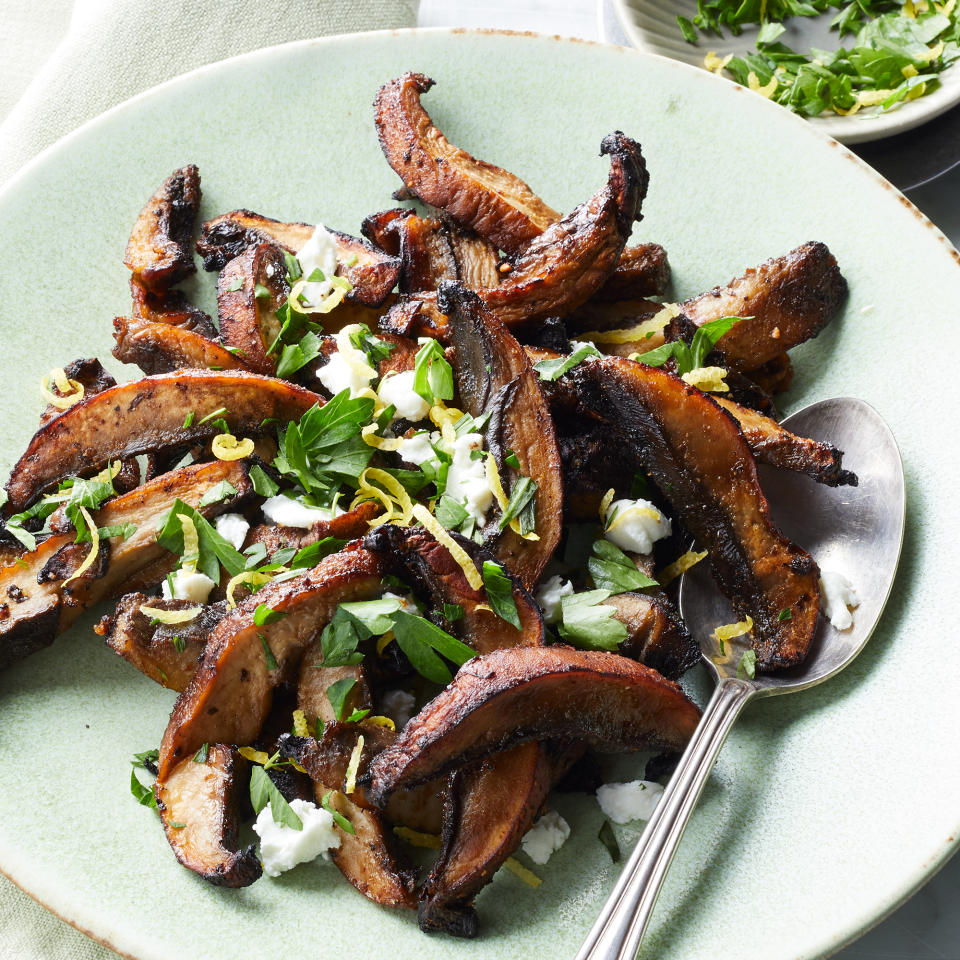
[(825, 810)]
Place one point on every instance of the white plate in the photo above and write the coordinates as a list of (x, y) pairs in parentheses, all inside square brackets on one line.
[(651, 26)]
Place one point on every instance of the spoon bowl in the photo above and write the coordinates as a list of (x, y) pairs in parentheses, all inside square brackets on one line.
[(854, 531)]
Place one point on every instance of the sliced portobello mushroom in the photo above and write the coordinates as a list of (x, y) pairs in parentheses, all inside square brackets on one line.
[(170, 307), (250, 289), (165, 347), (495, 376), (694, 452), (520, 694), (787, 299), (36, 605), (372, 272), (158, 252), (208, 844), (148, 415), (642, 271), (480, 196), (167, 653)]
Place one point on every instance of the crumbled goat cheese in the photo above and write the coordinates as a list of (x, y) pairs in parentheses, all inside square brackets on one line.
[(623, 802), (338, 374), (545, 837), (635, 525), (282, 847), (398, 390), (187, 585), (233, 528), (467, 478), (399, 706), (292, 513), (838, 596), (416, 449), (549, 596), (318, 253)]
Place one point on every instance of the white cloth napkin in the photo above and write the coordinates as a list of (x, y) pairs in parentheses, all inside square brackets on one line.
[(64, 62), (113, 49)]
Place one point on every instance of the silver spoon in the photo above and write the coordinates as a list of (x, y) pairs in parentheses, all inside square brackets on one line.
[(856, 531)]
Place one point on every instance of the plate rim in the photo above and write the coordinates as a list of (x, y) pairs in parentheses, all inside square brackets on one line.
[(939, 858), (848, 130)]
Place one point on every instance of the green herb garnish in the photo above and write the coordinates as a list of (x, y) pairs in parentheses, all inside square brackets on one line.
[(556, 368), (432, 374), (499, 589), (586, 622), (263, 791), (614, 571)]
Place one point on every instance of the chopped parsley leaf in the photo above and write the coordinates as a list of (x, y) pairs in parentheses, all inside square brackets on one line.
[(614, 571), (586, 622)]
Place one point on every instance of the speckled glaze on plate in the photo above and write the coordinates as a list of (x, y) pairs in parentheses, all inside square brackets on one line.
[(825, 810), (651, 26)]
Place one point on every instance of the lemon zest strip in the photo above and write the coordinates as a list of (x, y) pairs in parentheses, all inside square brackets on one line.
[(519, 870), (94, 548), (731, 630), (71, 390), (253, 577), (227, 447), (300, 724), (171, 616), (683, 563), (350, 784), (381, 721), (460, 556), (415, 838)]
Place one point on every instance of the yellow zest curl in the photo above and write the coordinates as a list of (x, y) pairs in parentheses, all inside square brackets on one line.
[(393, 496), (191, 544), (300, 724), (731, 630), (253, 578), (71, 391), (370, 438), (254, 756), (753, 82), (384, 641), (680, 565), (493, 480), (708, 379), (94, 547), (171, 616), (715, 64), (519, 870), (460, 556), (380, 721), (226, 446), (605, 504), (328, 303), (350, 784), (429, 841)]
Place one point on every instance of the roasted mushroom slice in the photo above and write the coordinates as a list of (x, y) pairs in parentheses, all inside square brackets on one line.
[(428, 566), (372, 273), (487, 199), (35, 603), (230, 695), (495, 376), (642, 271), (572, 258), (167, 653), (89, 373), (199, 807), (694, 452), (494, 202), (656, 634), (535, 693), (250, 288), (164, 347), (773, 444), (786, 301), (146, 415), (171, 307), (158, 251)]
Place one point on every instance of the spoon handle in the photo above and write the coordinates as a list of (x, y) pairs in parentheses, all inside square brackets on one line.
[(617, 932)]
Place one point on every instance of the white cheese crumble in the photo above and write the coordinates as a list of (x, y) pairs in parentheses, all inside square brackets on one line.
[(550, 594), (416, 449), (407, 603), (623, 802), (398, 390), (838, 596), (292, 513), (338, 374), (318, 253), (233, 528), (282, 847), (635, 525), (187, 585), (399, 706), (545, 837), (467, 478)]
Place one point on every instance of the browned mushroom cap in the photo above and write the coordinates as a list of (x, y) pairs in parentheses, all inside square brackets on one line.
[(480, 196), (494, 202), (372, 273), (693, 450), (147, 415), (170, 307), (35, 608), (164, 347), (230, 695), (250, 288), (198, 804), (167, 653), (495, 376), (414, 555), (158, 251), (569, 262), (787, 299), (535, 693)]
